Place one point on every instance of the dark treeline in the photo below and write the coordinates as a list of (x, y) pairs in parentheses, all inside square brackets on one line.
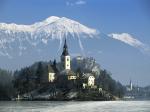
[(6, 86), (30, 78)]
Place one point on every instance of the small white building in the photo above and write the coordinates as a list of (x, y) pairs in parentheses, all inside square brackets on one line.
[(91, 81), (51, 73), (51, 77)]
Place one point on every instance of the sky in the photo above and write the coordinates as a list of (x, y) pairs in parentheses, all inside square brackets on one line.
[(112, 18)]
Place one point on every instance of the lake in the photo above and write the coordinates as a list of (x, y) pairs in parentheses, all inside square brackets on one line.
[(75, 106)]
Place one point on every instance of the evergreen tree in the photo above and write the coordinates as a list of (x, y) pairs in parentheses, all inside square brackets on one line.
[(79, 78), (39, 73)]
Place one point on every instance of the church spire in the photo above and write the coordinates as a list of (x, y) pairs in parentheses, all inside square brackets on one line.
[(65, 58), (65, 49), (131, 87), (65, 44)]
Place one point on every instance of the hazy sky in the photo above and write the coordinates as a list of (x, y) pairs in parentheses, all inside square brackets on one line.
[(124, 61)]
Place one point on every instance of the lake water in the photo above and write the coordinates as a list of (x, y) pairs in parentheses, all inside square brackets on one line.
[(75, 106)]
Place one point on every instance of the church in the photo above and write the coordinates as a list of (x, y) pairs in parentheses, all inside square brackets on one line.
[(64, 74)]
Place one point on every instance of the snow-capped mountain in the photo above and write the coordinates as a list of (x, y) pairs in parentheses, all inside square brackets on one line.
[(14, 36)]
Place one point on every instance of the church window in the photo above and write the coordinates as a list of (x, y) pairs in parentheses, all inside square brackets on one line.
[(67, 59)]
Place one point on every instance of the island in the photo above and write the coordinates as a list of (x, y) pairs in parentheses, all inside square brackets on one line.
[(79, 78)]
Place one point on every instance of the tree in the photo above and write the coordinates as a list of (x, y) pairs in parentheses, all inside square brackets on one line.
[(79, 78), (39, 73), (108, 84), (29, 83), (6, 86)]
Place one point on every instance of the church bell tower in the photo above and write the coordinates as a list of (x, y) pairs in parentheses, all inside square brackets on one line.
[(65, 58)]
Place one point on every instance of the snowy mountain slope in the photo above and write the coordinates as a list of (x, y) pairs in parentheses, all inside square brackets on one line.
[(22, 36)]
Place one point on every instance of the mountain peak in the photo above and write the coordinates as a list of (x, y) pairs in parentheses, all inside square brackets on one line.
[(51, 19), (52, 27)]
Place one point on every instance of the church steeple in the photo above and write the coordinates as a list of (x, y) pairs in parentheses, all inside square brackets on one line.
[(65, 58), (65, 49), (131, 87)]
